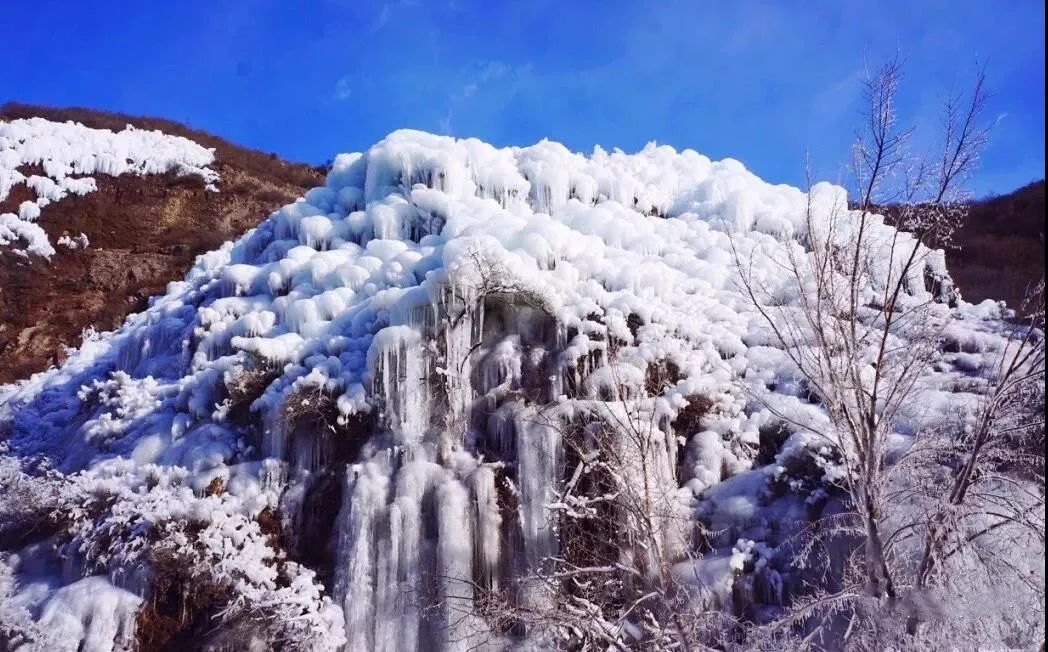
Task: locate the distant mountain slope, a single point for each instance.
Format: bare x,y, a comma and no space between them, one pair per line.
1001,247
143,232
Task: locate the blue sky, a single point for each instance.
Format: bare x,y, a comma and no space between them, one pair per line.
760,82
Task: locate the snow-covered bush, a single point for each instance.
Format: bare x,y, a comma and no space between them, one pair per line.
217,561
17,626
28,502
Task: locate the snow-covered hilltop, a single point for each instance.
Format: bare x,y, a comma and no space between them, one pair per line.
67,154
353,426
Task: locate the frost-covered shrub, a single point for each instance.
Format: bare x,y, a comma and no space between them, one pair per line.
203,559
17,627
32,506
246,382
117,400
312,405
209,563
771,438
230,571
690,418
660,375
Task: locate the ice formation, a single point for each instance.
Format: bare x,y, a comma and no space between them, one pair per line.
392,363
67,154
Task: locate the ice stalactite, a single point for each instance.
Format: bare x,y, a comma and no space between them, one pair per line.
500,431
359,547
401,382
440,532
487,528
461,626
502,365
412,536
539,473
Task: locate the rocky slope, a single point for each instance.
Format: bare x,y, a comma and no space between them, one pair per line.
143,231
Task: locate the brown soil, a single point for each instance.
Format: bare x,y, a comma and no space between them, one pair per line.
144,232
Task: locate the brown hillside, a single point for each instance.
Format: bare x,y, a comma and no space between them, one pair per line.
144,232
1001,246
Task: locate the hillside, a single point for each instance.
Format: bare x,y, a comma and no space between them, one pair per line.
143,231
1000,249
460,397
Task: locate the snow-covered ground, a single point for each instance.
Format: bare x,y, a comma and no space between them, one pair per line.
414,299
69,154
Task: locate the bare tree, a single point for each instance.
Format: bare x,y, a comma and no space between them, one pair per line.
622,528
991,502
872,307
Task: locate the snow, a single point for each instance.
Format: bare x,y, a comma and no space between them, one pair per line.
91,615
69,153
467,304
78,242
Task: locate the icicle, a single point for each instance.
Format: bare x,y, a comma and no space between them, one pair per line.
399,369
406,522
538,475
487,523
501,365
367,486
454,567
501,429
387,591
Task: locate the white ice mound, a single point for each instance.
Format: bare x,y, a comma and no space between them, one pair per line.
69,154
386,360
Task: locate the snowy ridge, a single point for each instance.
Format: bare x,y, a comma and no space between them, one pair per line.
414,318
69,152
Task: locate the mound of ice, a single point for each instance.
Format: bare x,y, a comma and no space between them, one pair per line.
424,328
68,154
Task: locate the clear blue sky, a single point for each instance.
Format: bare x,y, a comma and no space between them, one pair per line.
760,82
